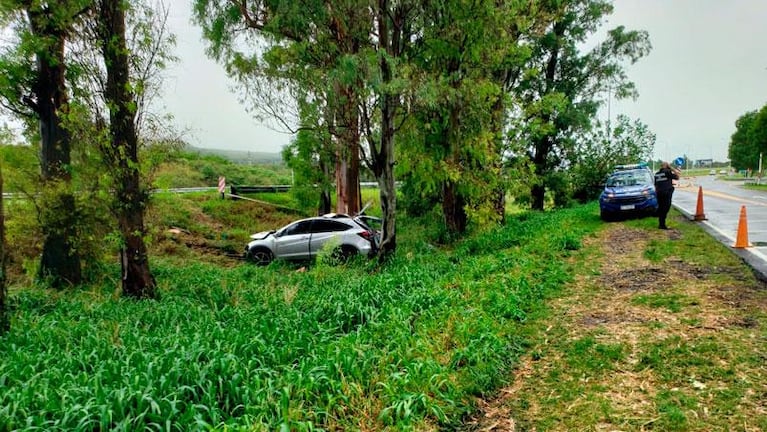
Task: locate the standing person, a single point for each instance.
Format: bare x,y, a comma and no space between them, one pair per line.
664,187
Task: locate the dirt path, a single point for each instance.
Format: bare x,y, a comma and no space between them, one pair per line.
648,337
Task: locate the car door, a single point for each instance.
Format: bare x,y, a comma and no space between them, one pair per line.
293,241
325,231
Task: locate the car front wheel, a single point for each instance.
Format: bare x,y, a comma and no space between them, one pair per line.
261,256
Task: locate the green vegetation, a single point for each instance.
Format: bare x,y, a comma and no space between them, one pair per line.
191,169
651,335
408,346
749,141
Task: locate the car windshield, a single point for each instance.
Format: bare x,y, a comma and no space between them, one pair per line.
628,178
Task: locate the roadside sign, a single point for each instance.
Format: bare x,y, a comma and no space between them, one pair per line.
221,185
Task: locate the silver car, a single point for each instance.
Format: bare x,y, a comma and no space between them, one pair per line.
303,239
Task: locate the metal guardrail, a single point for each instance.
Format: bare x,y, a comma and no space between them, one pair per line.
233,188
236,190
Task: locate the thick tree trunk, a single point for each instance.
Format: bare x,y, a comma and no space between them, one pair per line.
348,178
122,155
383,157
453,204
60,262
5,319
384,172
341,177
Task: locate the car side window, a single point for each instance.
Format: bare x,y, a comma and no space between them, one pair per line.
298,228
328,226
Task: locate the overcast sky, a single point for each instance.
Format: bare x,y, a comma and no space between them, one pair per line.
707,67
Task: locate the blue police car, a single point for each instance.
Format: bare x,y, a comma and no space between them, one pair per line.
629,190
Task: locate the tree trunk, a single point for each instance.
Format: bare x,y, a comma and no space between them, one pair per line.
453,204
341,168
544,145
384,172
60,262
499,193
325,200
383,157
537,195
348,179
5,319
122,154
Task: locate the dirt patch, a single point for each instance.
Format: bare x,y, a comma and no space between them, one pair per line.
640,279
622,240
606,318
178,242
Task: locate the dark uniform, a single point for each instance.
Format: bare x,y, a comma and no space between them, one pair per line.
664,187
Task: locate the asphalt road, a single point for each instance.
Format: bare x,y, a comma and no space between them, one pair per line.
722,201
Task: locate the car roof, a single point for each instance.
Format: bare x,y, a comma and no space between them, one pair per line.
631,171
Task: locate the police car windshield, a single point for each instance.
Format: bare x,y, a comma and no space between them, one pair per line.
627,178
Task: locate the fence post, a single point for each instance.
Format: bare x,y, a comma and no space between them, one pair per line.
222,186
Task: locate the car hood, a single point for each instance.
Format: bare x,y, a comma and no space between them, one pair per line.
262,235
626,190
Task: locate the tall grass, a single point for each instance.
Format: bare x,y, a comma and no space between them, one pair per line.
407,346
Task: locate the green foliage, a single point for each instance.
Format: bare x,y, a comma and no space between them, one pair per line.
749,140
268,348
559,92
597,153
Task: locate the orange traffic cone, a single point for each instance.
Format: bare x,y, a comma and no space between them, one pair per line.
699,215
741,240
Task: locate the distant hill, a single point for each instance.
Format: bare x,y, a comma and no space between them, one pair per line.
239,156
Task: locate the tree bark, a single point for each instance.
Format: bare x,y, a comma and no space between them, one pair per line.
122,154
5,319
60,262
453,204
390,42
348,155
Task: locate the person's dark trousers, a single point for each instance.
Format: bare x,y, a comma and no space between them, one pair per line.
664,205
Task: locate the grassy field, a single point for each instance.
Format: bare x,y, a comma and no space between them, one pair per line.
555,321
409,346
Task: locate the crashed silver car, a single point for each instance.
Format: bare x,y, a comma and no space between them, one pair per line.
303,239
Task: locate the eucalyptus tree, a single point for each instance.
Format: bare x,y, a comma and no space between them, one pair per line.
465,54
33,87
308,50
559,93
341,57
132,45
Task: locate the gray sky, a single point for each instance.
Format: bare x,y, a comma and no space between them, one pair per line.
707,67
199,95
